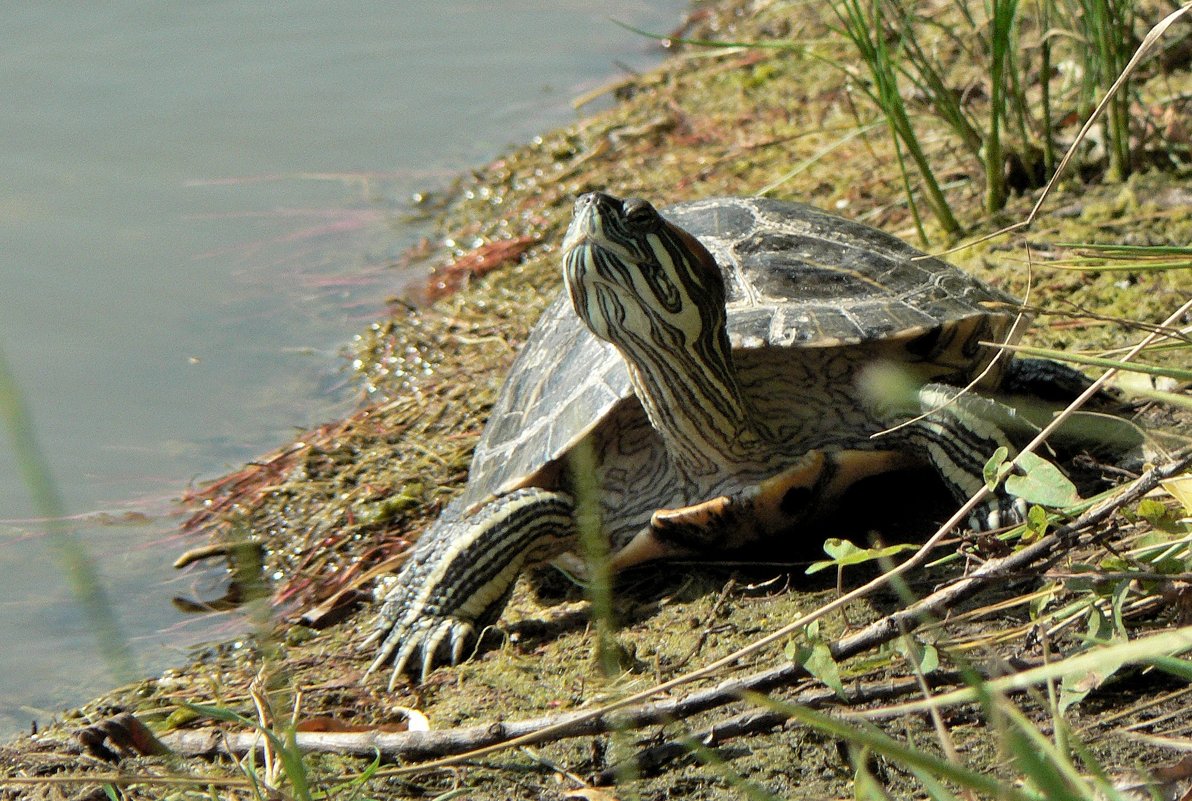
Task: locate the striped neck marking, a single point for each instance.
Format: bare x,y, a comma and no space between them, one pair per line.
655,293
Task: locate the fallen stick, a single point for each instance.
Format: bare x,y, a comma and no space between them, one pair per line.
758,720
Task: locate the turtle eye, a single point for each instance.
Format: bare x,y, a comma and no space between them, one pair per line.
639,213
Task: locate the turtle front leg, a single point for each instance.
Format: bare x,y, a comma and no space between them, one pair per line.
461,574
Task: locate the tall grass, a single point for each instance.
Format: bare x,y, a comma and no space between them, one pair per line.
1106,29
1002,15
1005,116
863,24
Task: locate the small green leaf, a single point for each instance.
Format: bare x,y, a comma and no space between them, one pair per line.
1169,565
924,655
931,659
1075,686
1152,511
1036,522
1041,483
817,660
840,550
845,553
814,655
1098,629
1161,517
794,649
995,468
1044,597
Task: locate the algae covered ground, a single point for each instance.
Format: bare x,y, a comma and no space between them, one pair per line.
322,518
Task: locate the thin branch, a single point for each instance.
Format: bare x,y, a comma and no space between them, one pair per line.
760,720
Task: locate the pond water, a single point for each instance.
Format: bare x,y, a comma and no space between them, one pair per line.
198,206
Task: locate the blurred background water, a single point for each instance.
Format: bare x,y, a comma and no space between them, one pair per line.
197,206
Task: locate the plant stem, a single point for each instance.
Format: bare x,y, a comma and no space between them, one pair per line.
76,564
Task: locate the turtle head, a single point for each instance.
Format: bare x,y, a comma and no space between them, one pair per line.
652,290
640,281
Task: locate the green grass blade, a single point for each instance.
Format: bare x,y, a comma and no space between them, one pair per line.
73,558
1177,373
1133,258
865,29
1037,758
1001,24
1114,249
1097,265
1099,659
1170,398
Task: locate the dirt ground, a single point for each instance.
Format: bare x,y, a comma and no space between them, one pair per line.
321,519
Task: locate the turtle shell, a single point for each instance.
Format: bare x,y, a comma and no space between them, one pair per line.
797,278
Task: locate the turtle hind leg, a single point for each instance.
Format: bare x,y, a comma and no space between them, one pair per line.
954,432
958,435
774,505
461,574
1041,386
962,430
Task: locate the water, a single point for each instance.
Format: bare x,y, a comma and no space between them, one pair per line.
195,215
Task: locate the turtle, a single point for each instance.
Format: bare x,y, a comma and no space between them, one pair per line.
723,366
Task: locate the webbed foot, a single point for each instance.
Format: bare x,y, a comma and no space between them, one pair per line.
998,511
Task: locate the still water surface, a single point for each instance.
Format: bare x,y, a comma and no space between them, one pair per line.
197,205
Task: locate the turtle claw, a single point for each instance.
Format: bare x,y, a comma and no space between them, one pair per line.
460,575
419,645
413,635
